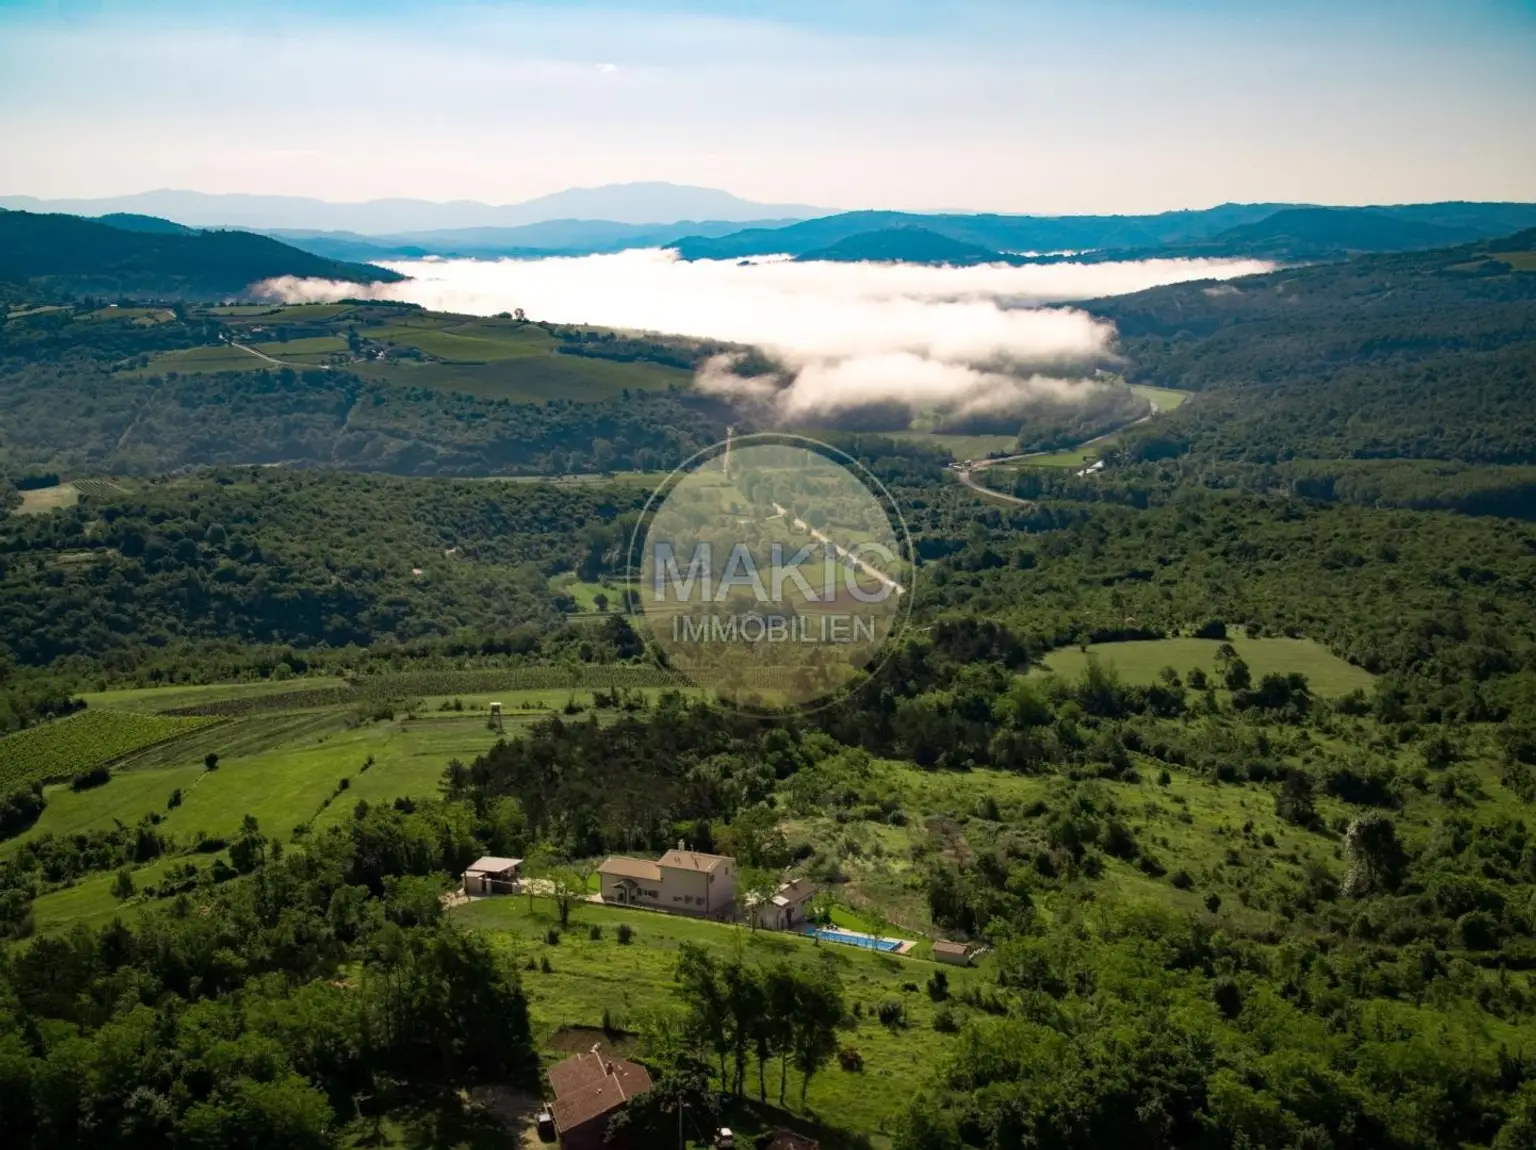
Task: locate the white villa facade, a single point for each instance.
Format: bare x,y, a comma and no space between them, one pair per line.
680,882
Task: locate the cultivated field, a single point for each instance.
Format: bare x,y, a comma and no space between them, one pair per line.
68,746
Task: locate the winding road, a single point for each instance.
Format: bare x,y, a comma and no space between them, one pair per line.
967,474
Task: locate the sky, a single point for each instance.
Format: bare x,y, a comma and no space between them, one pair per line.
1089,106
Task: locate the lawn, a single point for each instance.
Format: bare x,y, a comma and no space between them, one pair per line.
590,977
1140,661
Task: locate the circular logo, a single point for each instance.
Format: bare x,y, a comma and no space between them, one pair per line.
773,570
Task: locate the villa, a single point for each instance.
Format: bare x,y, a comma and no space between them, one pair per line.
680,882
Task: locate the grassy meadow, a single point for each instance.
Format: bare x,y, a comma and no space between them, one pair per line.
1141,661
593,979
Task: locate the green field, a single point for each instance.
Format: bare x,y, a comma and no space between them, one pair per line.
530,378
1162,398
1140,661
43,499
590,977
65,747
963,446
585,594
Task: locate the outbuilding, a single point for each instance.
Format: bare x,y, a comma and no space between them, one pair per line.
492,875
954,953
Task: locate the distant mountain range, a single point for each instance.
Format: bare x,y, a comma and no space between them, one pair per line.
135,255
1269,230
638,203
550,238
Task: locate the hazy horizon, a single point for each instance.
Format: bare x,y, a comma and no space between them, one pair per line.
1095,108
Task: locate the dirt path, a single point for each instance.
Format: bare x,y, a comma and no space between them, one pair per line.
278,362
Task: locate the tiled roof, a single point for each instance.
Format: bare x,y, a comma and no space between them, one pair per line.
630,868
589,1085
693,860
943,947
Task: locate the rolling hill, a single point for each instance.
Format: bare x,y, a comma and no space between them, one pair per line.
91,256
910,245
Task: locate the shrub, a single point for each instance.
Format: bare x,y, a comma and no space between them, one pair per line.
544,965
94,777
625,933
944,1020
850,1059
1213,902
891,1013
594,932
938,986
211,761
552,936
1181,880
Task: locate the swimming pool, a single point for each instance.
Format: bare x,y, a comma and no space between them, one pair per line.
852,938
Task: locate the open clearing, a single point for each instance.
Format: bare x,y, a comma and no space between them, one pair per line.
1162,398
1140,661
963,446
590,977
492,358
44,499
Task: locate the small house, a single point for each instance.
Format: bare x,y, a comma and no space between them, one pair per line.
954,953
786,908
491,875
589,1089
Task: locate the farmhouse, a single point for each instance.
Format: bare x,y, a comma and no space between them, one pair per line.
681,882
786,908
491,875
588,1090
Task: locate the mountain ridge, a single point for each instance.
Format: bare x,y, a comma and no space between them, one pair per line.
652,202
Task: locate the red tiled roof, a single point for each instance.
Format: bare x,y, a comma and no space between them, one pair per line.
587,1086
693,860
630,868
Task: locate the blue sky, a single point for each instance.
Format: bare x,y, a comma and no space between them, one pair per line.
1093,106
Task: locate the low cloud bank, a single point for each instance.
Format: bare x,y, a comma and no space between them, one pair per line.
959,341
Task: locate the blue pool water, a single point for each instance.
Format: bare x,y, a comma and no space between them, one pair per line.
867,941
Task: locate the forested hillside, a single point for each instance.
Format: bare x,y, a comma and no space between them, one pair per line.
70,253
1421,356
